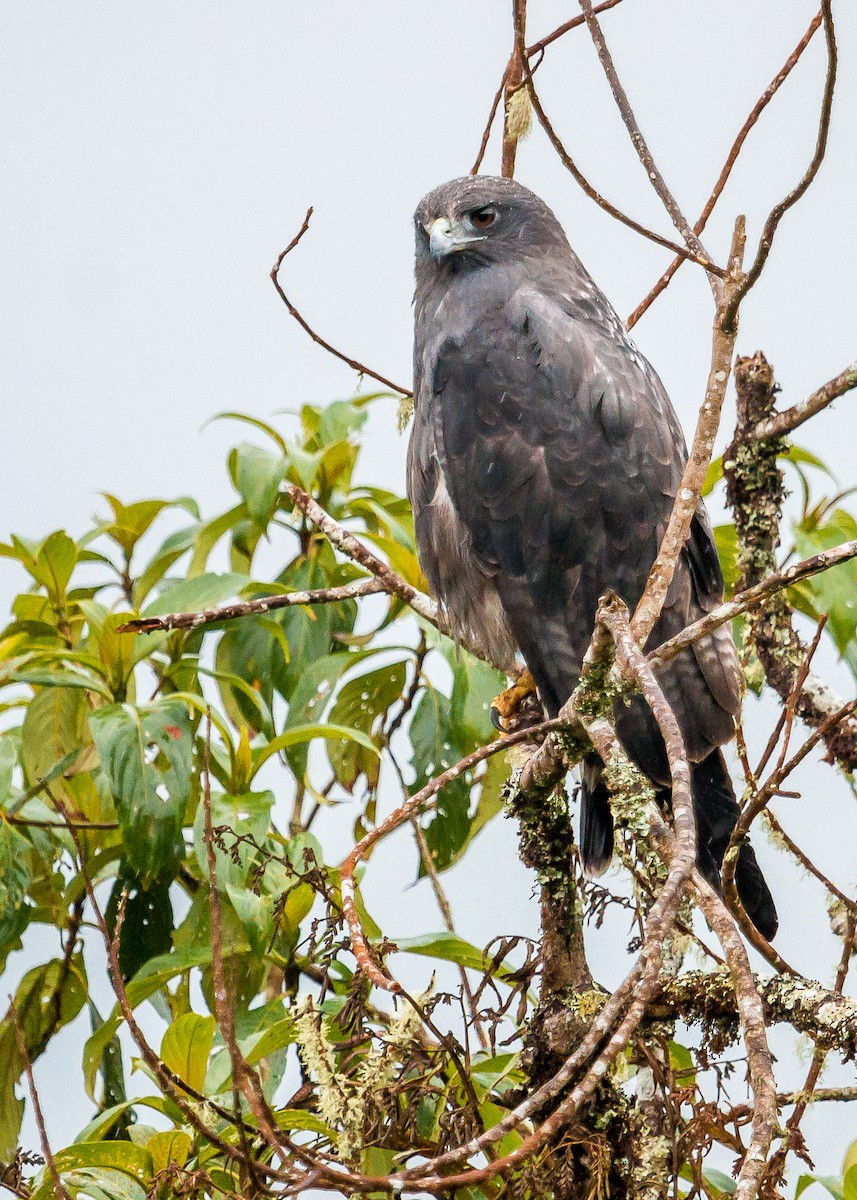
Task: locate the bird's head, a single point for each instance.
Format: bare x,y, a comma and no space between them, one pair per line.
480,220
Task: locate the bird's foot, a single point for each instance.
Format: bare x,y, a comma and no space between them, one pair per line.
517,707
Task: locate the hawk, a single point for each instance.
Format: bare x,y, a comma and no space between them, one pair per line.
542,468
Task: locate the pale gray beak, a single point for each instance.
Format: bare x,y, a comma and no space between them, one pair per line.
445,238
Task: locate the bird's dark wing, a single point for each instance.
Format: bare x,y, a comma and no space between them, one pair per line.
561,455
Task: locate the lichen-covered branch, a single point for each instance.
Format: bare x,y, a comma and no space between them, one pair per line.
708,996
754,490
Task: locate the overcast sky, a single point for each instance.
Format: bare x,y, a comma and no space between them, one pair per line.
154,159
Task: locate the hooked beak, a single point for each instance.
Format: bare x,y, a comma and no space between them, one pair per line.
445,238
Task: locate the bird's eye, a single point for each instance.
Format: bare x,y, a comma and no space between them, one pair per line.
481,218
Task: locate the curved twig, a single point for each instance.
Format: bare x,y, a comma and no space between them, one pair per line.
779,210
360,367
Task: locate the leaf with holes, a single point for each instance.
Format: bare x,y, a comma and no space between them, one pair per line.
147,754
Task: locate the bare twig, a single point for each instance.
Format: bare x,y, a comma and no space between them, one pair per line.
782,423
779,210
53,1170
486,133
640,145
759,1064
570,165
751,598
512,82
230,612
757,110
819,1057
345,541
361,368
575,23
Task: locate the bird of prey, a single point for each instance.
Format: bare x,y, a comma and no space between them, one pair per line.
542,468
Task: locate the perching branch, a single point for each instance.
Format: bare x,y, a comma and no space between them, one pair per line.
751,598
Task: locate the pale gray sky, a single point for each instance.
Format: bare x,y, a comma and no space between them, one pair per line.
155,157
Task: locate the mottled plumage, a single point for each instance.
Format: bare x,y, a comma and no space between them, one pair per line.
543,463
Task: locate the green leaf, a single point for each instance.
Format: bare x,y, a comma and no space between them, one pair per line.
186,1046
48,997
121,1168
170,1146
255,422
14,880
192,595
340,418
54,564
681,1061
257,475
724,1183
450,948
146,753
131,521
305,733
830,1183
435,747
362,705
150,979
53,727
312,694
833,592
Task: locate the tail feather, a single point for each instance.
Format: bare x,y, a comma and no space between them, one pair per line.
596,819
716,814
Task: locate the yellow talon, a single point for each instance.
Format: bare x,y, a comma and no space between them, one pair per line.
518,705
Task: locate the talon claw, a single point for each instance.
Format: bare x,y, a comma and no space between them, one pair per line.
510,706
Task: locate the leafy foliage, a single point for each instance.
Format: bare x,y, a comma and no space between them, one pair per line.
112,731
122,736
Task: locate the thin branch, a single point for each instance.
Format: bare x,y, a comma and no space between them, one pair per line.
731,158
359,942
751,598
806,862
575,23
779,210
340,537
784,422
687,498
53,1170
570,165
230,612
511,84
244,1077
751,1012
486,133
361,368
645,155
